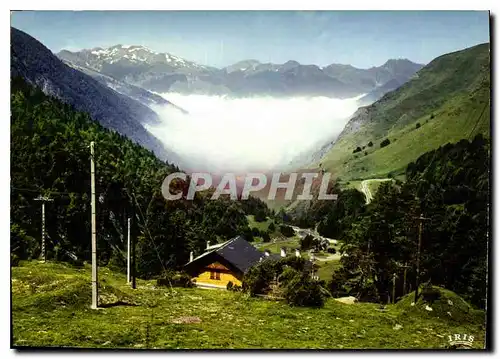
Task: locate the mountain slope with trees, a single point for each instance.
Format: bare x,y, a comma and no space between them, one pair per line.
50,156
38,66
445,101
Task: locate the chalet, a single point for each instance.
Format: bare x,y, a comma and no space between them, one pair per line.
223,263
228,262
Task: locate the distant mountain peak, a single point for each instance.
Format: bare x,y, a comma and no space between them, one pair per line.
128,55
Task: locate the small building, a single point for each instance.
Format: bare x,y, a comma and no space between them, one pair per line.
223,263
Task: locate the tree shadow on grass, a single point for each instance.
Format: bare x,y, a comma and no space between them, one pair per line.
118,303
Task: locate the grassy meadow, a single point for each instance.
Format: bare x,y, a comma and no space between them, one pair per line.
51,308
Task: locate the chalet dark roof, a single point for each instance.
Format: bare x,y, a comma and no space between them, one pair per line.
237,251
240,253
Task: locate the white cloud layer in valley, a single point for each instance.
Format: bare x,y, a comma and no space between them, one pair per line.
223,134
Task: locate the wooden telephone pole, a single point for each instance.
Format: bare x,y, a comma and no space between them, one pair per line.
95,302
43,253
421,220
128,251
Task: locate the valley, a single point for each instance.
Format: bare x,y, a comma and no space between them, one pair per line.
406,147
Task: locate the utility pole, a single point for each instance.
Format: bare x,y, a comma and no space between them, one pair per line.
94,237
421,220
128,251
43,253
133,270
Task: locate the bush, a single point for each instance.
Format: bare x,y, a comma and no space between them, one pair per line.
297,263
258,278
385,142
370,144
331,250
14,260
265,237
287,231
233,287
432,116
247,234
260,216
21,244
358,149
417,125
300,290
272,227
430,294
174,279
337,285
366,153
307,242
255,232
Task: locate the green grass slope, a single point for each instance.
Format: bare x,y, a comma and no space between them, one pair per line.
51,307
449,99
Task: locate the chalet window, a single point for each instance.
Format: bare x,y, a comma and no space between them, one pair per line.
215,275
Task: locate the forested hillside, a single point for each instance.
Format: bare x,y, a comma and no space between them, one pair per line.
50,156
450,188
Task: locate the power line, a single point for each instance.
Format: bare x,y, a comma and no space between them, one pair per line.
149,233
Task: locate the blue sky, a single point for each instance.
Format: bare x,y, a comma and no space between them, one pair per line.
220,38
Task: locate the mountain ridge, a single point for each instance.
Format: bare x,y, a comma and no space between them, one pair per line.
164,72
34,62
443,102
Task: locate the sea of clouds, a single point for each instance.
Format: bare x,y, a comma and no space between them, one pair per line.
223,134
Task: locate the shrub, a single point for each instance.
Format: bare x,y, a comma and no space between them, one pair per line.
366,153
174,279
247,234
337,285
272,227
370,144
233,287
417,125
432,116
14,260
260,216
287,231
307,242
430,294
358,149
258,278
23,245
287,275
385,142
265,237
297,263
331,250
255,232
300,290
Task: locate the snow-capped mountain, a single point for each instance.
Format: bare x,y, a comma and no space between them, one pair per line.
32,61
164,72
138,65
99,58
